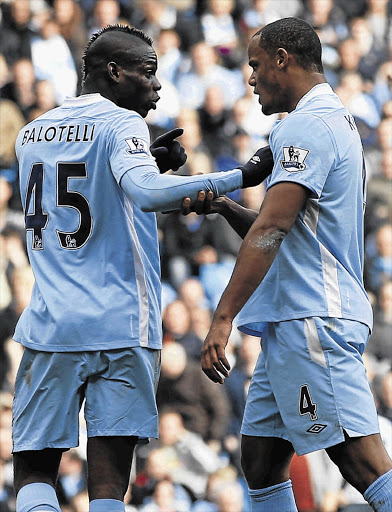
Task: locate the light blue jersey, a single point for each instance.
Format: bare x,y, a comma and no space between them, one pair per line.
94,252
318,269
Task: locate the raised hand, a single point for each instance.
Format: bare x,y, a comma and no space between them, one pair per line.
168,152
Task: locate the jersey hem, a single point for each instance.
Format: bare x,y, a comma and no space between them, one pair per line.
246,325
87,348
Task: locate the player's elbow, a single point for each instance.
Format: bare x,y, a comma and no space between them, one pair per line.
268,240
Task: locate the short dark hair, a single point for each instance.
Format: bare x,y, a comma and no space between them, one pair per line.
109,47
297,37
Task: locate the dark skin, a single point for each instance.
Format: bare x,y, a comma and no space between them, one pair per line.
134,86
280,82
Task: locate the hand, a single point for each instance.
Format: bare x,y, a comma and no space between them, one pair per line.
168,152
213,359
204,204
257,168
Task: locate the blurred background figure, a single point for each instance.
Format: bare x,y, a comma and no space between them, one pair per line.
380,343
53,61
184,388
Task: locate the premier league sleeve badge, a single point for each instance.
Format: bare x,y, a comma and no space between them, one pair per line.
294,159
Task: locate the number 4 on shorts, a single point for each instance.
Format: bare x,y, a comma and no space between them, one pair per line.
306,405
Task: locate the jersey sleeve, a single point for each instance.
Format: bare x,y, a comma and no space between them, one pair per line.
304,152
128,145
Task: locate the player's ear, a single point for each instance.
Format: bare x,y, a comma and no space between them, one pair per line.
113,71
282,58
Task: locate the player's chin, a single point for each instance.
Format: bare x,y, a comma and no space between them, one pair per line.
143,111
267,109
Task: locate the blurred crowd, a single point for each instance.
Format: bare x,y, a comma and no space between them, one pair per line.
201,47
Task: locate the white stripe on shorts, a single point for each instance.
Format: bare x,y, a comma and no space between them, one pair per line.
314,346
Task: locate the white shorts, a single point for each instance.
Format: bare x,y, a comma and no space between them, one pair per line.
310,386
118,387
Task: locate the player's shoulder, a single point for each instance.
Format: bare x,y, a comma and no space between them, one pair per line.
304,124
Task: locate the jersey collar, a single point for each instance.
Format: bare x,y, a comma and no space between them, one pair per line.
317,90
83,100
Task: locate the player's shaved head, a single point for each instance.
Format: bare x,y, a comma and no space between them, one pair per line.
113,43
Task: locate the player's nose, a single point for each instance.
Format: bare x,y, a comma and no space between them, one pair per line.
157,84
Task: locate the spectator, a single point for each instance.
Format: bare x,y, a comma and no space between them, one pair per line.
6,458
195,245
262,12
177,327
69,18
380,343
163,499
157,468
105,12
194,146
382,90
237,389
231,498
371,56
383,141
72,474
382,385
157,16
11,121
205,72
194,459
218,482
214,118
377,18
360,104
379,264
185,389
220,32
45,99
52,60
379,194
192,294
22,90
16,31
169,54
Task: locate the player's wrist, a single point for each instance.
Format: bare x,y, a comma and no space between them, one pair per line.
257,168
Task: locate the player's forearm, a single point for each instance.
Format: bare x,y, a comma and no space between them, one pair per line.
159,192
239,218
256,256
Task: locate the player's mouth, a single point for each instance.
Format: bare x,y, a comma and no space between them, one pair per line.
154,102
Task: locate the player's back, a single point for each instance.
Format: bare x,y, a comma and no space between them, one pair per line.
87,242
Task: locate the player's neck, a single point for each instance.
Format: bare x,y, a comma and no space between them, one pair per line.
93,88
303,87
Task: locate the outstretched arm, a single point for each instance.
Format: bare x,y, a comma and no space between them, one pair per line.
152,191
278,213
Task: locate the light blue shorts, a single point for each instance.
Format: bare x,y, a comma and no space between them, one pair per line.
310,386
118,387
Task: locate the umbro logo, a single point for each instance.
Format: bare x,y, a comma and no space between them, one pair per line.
316,428
255,159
